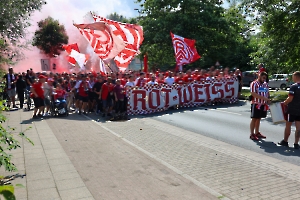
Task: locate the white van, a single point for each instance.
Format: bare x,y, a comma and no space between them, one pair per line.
282,81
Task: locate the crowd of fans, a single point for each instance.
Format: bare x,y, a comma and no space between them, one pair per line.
101,93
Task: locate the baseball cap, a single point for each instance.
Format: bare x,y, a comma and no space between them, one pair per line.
42,76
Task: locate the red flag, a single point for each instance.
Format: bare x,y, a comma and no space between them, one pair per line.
69,48
185,50
146,63
75,55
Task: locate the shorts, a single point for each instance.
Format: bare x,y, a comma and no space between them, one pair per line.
76,96
47,102
38,102
92,96
83,98
258,113
293,118
107,103
11,92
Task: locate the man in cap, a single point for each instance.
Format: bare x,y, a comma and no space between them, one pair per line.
38,96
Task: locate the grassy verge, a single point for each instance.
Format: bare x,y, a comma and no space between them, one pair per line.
276,96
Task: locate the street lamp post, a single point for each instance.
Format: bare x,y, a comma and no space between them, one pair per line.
139,11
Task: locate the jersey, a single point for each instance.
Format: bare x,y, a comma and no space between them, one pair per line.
261,89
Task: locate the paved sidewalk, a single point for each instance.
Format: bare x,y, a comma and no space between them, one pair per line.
74,158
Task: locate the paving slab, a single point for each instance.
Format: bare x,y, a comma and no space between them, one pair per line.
42,163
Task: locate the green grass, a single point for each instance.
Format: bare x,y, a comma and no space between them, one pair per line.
276,96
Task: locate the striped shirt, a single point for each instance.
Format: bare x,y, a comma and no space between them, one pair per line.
261,89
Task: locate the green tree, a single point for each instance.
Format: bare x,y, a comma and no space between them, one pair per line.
203,21
116,17
120,18
14,17
50,37
240,35
279,40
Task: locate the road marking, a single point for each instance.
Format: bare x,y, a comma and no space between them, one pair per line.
199,184
226,112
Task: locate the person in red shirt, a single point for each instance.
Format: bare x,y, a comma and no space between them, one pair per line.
119,94
188,77
141,81
124,79
201,77
195,74
106,94
179,79
160,79
60,92
38,96
83,94
226,73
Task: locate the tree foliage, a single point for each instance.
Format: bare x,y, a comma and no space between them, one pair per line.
14,17
120,18
279,39
50,37
205,21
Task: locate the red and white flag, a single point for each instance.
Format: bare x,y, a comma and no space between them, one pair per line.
185,50
102,67
74,55
112,39
105,44
132,35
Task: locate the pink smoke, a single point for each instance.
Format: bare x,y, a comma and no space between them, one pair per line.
33,55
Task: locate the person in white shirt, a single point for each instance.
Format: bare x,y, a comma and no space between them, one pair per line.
170,79
48,92
153,81
131,82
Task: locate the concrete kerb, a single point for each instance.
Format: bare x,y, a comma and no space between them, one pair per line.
199,184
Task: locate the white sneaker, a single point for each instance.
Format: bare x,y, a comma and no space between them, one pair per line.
45,114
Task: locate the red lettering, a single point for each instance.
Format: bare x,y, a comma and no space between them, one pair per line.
179,94
215,91
198,92
229,89
187,91
207,91
136,99
150,99
167,96
182,92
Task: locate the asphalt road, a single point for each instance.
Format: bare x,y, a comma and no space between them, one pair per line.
230,124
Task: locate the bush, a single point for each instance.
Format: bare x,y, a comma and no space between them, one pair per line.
276,96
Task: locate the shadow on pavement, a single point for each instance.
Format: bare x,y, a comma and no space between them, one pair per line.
203,107
271,147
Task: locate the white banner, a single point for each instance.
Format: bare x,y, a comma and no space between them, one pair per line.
155,98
